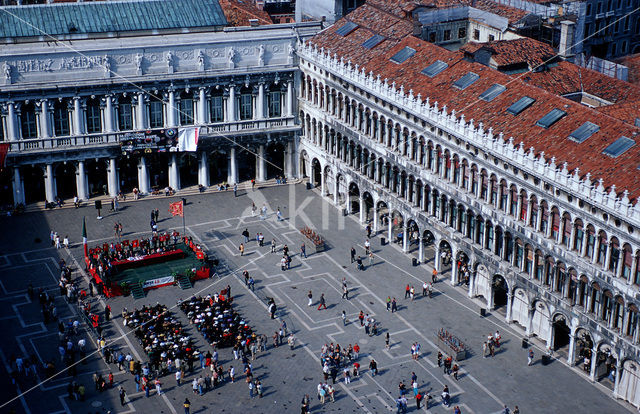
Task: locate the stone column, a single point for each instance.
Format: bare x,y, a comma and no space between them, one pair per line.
232,175
49,184
405,236
231,104
572,349
78,127
143,176
375,218
289,108
171,109
203,170
262,164
509,303
438,264
112,178
141,107
454,267
108,113
420,250
81,181
18,187
174,173
323,184
390,230
594,358
616,385
260,102
12,130
472,283
44,119
288,165
202,109
361,201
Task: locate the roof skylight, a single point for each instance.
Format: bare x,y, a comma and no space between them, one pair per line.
493,92
435,68
619,147
373,41
347,28
403,55
466,81
520,105
585,131
551,118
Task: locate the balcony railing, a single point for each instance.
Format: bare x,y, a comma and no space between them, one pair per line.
113,138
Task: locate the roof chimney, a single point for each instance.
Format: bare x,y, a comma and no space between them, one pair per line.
566,39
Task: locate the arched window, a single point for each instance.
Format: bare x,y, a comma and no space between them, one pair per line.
607,306
471,226
591,241
618,312
504,196
484,185
533,218
519,254
447,163
524,204
513,207
478,236
488,243
28,124
544,217
528,259
456,169
614,258
578,241
632,321
493,184
566,229
555,223
508,240
474,179
538,264
602,250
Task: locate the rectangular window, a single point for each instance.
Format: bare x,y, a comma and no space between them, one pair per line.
216,110
462,33
447,35
373,41
492,38
435,68
28,124
125,118
346,29
156,115
61,120
274,104
94,124
246,111
476,34
186,112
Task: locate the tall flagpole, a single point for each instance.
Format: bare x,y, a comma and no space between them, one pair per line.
184,227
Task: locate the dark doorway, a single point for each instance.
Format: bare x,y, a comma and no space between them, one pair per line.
561,333
499,292
66,180
188,170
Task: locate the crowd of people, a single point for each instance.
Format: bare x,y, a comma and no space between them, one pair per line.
215,318
161,335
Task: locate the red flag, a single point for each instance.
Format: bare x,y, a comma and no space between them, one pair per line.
4,149
176,209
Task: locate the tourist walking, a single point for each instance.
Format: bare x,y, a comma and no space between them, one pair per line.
241,249
323,303
310,296
530,358
344,318
353,254
187,405
303,251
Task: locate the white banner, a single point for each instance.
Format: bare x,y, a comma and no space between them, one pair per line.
188,139
157,282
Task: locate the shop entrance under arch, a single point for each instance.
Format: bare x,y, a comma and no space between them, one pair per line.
500,291
561,333
188,166
66,180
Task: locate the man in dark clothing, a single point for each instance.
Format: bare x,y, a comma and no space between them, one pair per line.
353,254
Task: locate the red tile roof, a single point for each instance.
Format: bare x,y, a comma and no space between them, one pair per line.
633,63
567,77
239,12
621,171
510,52
401,8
